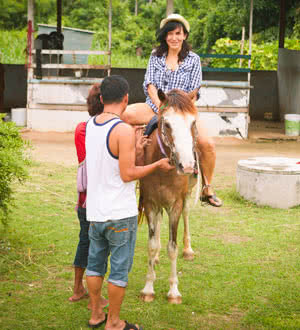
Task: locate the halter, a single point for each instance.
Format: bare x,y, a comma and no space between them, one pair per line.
164,138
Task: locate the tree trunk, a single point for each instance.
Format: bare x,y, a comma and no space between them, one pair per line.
170,7
136,8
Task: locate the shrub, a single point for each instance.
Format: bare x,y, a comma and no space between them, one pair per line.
264,55
13,164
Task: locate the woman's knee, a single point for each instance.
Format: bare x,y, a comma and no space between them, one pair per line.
207,145
128,116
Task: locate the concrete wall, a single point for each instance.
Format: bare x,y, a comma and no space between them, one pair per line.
263,97
288,81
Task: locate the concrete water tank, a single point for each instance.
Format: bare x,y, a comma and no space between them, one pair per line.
270,181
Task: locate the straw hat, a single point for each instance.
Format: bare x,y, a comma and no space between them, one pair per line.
175,17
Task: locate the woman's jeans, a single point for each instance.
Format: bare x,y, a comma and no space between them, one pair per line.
81,257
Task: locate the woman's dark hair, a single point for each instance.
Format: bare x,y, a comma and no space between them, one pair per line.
162,49
95,107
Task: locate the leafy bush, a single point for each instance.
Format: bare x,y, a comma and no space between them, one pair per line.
13,46
13,164
264,55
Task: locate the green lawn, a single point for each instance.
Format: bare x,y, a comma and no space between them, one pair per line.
245,275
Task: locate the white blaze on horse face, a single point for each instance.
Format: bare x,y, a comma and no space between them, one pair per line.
182,138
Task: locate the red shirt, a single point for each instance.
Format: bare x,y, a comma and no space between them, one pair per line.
80,149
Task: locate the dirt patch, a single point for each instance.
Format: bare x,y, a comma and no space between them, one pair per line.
265,139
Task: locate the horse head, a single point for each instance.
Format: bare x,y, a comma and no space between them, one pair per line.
177,128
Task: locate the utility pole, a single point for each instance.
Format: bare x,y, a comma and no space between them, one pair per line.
282,23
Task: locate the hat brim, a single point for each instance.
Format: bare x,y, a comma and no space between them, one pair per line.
178,18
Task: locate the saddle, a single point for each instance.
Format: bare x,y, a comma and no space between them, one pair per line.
151,126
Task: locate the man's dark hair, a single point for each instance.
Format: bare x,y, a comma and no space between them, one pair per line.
113,89
162,49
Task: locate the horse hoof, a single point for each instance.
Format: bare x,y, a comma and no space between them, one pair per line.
175,300
188,256
147,297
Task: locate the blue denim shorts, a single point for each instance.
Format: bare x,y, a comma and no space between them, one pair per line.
114,238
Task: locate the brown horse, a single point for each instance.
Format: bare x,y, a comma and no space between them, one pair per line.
174,138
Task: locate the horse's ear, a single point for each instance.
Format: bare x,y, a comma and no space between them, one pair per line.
161,95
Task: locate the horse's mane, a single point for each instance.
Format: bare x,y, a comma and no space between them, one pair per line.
179,101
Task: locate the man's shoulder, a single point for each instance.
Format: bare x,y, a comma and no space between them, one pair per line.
123,128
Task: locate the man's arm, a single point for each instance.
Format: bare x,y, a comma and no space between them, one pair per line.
126,152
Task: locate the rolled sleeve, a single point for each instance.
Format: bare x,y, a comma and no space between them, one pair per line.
196,75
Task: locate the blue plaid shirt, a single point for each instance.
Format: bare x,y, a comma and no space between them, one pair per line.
187,77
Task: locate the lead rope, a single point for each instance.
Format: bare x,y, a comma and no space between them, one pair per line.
198,180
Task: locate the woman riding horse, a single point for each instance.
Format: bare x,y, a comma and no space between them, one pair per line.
173,65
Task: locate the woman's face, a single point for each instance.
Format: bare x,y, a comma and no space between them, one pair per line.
174,39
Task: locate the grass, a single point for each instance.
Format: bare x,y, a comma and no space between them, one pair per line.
245,274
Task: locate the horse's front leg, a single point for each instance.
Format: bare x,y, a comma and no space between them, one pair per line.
174,296
154,219
188,253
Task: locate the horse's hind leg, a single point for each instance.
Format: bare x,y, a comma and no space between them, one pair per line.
188,253
174,296
154,219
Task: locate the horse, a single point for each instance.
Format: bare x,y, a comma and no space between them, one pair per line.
175,138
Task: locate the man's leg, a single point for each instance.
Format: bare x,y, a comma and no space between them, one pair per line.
122,238
115,296
95,286
208,162
137,114
96,269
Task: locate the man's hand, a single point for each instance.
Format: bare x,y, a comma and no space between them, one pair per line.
164,165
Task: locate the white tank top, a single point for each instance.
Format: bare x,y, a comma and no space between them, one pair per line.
108,196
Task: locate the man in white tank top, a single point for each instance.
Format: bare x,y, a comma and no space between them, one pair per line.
111,201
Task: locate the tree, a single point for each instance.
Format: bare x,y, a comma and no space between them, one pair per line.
170,7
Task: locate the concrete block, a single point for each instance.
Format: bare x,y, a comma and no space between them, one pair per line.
270,181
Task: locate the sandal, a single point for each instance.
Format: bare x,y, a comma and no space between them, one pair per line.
129,326
212,200
97,325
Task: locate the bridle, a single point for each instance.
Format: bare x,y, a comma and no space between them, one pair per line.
173,158
164,138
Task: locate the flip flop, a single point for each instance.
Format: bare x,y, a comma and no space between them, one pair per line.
98,325
84,296
129,326
212,200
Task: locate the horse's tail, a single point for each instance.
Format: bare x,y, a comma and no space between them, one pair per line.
141,209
